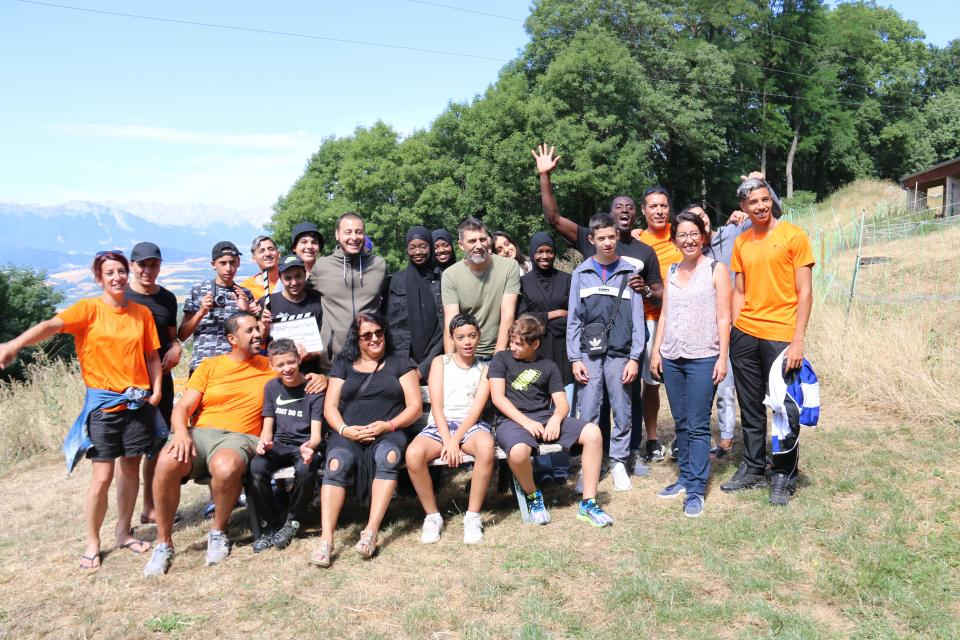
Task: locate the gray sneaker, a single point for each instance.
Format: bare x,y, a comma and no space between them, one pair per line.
218,547
159,560
637,467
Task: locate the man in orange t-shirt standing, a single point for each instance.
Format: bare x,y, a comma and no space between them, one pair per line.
226,392
656,211
772,299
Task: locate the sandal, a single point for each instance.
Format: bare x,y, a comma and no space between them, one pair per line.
367,544
129,545
321,555
92,562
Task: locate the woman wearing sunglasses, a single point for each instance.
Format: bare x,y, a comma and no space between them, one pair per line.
117,343
373,395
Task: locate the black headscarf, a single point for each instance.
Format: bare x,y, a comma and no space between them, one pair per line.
443,234
421,307
544,276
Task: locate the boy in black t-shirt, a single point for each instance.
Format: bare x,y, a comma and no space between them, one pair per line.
290,436
523,387
295,302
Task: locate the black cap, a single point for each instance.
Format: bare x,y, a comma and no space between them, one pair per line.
302,228
145,251
290,262
224,248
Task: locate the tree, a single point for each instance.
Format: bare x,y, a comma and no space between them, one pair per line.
28,299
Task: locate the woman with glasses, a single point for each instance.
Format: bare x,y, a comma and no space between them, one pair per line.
373,394
413,305
117,343
690,353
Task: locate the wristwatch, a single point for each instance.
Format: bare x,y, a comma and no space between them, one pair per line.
648,292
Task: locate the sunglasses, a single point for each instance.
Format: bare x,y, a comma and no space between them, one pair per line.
100,254
368,336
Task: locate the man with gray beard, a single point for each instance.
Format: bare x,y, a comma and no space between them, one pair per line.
484,285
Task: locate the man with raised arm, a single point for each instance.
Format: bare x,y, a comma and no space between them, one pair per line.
483,285
646,280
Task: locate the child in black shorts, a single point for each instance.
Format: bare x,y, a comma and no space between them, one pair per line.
290,437
527,390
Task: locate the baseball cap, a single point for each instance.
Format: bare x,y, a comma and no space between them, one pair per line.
145,251
290,262
302,228
224,248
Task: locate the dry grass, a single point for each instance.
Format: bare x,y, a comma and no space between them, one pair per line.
844,206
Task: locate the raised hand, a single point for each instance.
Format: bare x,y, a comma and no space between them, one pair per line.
546,159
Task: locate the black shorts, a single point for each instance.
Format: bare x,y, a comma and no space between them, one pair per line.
121,433
166,398
510,434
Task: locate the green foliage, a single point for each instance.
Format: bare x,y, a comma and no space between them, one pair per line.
27,299
688,94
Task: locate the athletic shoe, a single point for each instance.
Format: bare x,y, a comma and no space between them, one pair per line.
719,453
264,542
693,505
208,510
591,513
672,491
621,481
780,490
743,479
674,454
472,529
159,560
655,451
538,511
218,547
639,469
286,534
432,526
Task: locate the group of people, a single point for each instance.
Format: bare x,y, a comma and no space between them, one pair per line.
512,352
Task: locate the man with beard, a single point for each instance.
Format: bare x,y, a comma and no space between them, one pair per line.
483,285
646,281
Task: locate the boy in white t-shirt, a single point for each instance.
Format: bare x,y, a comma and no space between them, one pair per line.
458,393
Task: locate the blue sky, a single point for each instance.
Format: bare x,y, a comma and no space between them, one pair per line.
104,107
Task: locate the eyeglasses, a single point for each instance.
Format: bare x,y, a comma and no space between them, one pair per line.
368,336
693,235
100,254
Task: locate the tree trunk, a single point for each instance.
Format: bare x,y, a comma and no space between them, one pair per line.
763,140
790,155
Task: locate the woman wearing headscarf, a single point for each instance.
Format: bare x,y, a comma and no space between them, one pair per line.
544,294
413,308
444,254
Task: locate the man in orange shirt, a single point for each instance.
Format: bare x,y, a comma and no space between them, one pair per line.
227,393
656,211
772,298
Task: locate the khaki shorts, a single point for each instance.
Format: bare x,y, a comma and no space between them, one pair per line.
208,441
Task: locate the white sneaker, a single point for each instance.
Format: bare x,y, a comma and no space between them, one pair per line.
472,529
579,487
432,526
159,560
218,547
621,479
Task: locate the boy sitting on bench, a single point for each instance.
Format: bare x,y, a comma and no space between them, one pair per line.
528,392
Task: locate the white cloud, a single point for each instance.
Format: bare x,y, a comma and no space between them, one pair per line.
292,140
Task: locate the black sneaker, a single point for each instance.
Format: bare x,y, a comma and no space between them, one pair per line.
780,490
742,479
674,453
655,451
286,534
264,542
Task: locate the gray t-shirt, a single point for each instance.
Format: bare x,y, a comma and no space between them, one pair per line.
481,295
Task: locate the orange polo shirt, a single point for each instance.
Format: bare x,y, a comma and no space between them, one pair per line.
232,393
769,268
667,254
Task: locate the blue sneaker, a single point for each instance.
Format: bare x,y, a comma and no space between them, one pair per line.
672,491
693,505
538,512
591,513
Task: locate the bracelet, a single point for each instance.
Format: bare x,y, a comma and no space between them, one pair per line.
393,427
342,428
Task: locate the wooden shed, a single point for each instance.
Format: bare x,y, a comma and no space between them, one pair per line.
937,187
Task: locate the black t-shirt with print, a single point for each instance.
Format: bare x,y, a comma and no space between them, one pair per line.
529,384
163,306
283,310
632,249
382,398
292,409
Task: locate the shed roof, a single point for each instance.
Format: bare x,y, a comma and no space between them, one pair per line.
935,172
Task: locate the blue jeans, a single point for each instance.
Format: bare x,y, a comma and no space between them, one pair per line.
690,392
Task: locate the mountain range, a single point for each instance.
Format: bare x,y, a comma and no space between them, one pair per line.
62,239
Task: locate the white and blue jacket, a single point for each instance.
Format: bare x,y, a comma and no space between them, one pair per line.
591,300
799,394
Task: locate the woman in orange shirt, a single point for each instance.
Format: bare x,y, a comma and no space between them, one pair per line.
117,347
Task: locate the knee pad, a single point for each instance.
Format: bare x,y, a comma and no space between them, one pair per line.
385,469
339,466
